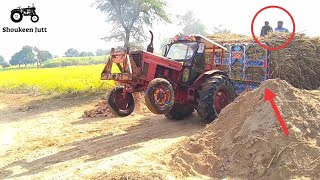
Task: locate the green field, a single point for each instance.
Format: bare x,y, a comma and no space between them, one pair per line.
74,61
64,80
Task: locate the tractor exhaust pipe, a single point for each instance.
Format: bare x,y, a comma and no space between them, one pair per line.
150,46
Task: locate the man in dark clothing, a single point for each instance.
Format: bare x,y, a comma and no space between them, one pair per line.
265,29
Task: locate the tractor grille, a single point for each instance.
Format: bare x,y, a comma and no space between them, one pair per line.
137,58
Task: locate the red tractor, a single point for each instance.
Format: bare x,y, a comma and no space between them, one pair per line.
175,84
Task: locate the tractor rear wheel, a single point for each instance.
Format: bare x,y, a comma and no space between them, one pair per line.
179,112
16,16
215,94
159,96
120,105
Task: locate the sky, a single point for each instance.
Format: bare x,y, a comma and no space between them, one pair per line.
76,24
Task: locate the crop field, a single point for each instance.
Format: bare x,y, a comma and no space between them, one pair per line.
74,61
72,79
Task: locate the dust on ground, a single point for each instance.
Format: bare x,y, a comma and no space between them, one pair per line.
47,137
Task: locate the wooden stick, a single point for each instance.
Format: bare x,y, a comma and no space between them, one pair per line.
272,158
314,161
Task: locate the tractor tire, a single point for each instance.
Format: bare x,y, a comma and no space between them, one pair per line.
159,96
215,94
35,18
179,112
118,105
16,16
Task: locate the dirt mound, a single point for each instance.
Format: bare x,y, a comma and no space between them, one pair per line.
246,141
298,63
102,110
127,174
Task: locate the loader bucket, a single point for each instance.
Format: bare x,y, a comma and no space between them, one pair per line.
118,67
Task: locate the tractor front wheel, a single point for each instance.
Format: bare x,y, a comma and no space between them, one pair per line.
179,112
119,104
159,96
215,94
35,18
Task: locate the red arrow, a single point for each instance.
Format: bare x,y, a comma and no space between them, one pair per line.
269,96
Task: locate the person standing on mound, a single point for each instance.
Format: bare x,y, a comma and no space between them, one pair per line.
265,29
280,27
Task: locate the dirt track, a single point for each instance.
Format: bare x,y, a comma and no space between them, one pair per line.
46,136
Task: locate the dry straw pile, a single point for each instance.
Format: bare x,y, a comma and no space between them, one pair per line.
298,63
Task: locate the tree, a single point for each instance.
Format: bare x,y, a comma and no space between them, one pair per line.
90,53
85,54
191,24
101,52
130,17
44,56
71,53
3,63
37,50
24,56
16,59
27,55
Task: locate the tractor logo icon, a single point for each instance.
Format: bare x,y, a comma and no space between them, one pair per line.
18,13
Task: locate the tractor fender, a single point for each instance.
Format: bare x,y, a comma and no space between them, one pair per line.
204,76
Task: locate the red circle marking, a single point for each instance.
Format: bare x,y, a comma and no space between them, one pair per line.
283,45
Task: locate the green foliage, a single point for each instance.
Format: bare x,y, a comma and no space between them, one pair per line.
3,63
27,55
15,59
24,56
101,52
44,56
71,53
191,24
75,61
84,54
80,79
1,60
129,18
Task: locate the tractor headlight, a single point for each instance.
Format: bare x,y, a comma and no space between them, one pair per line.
185,75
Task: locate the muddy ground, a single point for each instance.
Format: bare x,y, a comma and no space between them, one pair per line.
47,137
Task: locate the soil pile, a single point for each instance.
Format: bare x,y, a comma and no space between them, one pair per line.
102,109
298,63
246,141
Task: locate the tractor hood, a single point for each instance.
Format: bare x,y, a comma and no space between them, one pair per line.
125,67
162,61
